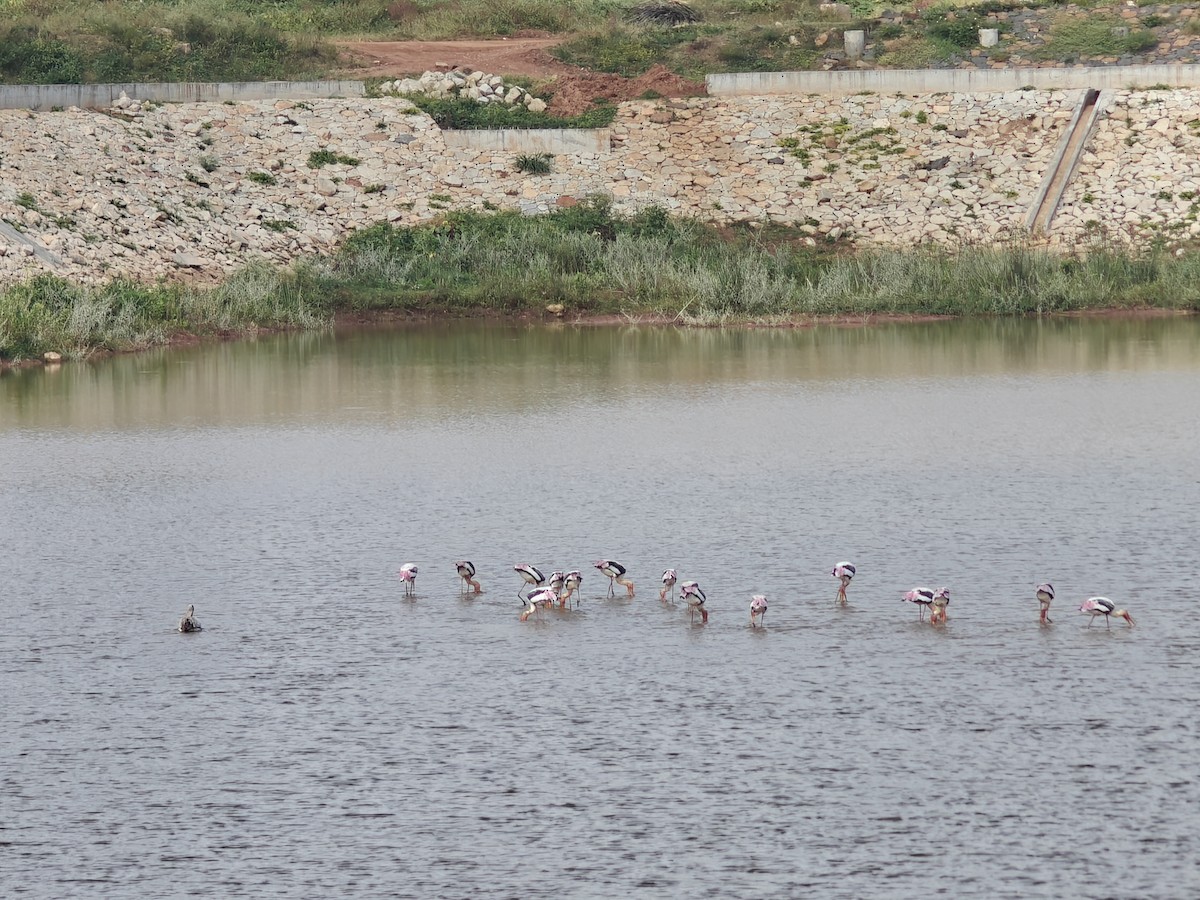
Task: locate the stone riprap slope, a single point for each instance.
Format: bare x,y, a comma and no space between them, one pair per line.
458,84
196,190
1139,177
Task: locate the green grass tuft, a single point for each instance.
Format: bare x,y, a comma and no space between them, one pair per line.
320,158
535,164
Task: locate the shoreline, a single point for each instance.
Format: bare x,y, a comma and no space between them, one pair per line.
384,320
587,266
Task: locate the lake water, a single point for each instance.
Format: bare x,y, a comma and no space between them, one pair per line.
324,737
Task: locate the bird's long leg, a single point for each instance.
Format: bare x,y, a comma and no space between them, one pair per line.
612,591
1106,623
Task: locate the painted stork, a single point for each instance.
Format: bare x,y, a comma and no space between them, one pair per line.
615,572
189,622
466,571
571,582
537,600
1102,606
758,608
1045,593
921,596
530,575
844,571
669,577
408,574
694,597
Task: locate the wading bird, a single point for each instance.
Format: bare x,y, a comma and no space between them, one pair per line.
556,582
614,571
189,622
466,571
571,582
529,574
758,607
845,571
941,599
694,597
537,601
408,574
668,584
1045,593
921,596
1102,606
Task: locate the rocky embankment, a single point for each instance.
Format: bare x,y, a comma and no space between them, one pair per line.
460,85
196,190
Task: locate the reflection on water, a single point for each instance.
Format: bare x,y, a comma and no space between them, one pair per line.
428,369
323,736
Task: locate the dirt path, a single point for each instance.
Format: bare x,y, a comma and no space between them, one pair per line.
504,56
574,89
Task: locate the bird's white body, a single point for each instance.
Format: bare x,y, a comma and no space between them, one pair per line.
466,571
1045,593
408,574
189,623
1102,606
843,571
758,609
529,575
694,597
669,577
571,582
616,574
538,600
922,596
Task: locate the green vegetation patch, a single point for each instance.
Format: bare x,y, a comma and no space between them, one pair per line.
535,164
592,260
692,50
1072,37
154,42
319,158
863,147
468,114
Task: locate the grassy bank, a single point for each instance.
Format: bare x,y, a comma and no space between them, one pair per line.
592,262
47,41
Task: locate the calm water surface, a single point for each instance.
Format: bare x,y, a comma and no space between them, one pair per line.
323,736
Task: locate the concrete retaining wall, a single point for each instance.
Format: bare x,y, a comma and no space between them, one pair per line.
100,96
541,140
935,81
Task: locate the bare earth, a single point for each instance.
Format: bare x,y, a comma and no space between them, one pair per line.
503,56
573,89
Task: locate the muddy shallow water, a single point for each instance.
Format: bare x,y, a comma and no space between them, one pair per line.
324,736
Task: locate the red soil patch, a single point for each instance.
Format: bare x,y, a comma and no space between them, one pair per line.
574,90
572,94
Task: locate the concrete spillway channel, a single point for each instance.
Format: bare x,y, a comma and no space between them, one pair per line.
15,238
1092,105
